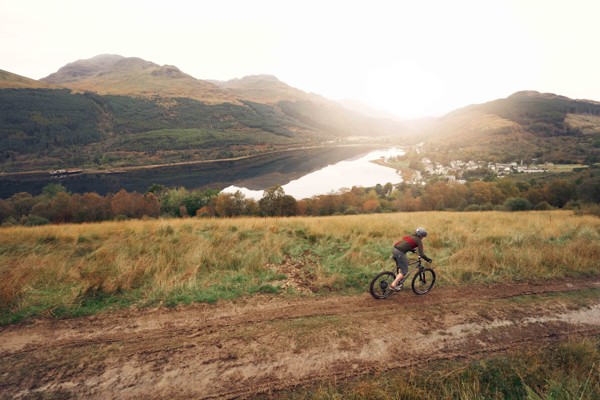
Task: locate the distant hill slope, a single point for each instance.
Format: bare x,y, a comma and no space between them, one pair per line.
312,109
266,89
8,80
525,125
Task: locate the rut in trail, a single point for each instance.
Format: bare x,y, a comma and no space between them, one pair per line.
262,344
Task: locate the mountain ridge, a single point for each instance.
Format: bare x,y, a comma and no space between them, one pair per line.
111,111
133,76
171,103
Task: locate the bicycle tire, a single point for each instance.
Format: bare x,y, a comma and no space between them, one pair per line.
423,281
380,285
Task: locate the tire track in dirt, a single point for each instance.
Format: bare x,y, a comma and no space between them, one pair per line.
263,344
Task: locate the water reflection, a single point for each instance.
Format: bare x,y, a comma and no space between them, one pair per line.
256,173
357,171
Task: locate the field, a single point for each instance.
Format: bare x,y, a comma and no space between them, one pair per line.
279,308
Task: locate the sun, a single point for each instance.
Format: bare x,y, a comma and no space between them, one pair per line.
406,89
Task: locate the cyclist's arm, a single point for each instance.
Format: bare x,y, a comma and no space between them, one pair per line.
422,252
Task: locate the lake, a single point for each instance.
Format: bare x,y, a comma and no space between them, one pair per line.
302,173
356,171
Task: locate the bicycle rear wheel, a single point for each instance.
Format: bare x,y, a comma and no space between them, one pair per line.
380,285
423,281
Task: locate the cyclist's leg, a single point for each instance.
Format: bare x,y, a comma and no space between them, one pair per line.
402,263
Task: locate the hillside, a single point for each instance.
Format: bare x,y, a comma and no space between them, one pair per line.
114,111
266,89
8,80
523,126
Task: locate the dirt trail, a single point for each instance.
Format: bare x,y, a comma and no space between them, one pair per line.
264,344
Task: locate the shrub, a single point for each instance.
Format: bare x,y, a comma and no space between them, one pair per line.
517,204
543,206
35,220
589,209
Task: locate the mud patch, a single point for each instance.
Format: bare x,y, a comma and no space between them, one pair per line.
263,344
300,275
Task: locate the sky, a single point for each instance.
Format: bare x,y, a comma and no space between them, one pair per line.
408,58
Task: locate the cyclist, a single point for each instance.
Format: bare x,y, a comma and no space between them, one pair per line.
408,243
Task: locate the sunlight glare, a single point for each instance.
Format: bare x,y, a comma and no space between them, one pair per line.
406,89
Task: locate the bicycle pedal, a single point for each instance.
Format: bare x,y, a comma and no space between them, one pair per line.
397,288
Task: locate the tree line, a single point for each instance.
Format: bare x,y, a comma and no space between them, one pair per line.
56,205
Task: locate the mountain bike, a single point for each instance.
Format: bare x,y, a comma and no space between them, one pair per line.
422,282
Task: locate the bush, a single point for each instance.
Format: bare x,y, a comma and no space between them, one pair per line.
589,209
543,206
36,220
517,204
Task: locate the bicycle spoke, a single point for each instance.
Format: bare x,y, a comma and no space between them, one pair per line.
423,281
380,285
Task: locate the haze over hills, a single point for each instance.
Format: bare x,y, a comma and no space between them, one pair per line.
110,110
266,89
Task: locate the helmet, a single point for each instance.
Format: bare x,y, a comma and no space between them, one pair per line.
420,232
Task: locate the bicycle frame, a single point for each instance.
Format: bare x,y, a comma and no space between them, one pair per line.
412,267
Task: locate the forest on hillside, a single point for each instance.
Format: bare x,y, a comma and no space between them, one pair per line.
57,128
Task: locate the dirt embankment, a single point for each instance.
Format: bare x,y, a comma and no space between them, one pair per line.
263,344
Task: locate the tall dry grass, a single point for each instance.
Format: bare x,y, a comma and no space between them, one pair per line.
71,269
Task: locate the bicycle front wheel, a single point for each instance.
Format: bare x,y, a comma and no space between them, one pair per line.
423,281
380,285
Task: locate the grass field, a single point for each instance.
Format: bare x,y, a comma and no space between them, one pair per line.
71,270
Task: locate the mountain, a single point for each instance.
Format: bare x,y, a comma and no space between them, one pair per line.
114,74
111,111
525,125
266,89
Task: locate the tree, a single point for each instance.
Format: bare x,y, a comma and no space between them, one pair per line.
22,203
90,207
270,204
228,205
288,206
480,192
151,205
6,210
589,190
508,188
559,192
52,189
121,204
371,205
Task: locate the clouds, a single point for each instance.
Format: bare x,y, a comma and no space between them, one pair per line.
412,58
